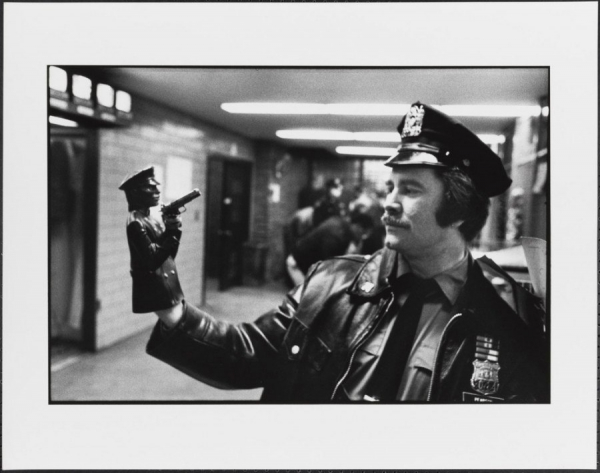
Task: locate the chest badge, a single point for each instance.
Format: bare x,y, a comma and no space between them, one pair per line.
485,379
414,121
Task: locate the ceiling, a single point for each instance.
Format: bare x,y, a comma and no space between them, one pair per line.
200,92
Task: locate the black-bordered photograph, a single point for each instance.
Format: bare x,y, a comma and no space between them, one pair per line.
298,235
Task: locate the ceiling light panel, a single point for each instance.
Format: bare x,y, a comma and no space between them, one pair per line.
490,110
377,109
370,136
365,150
302,134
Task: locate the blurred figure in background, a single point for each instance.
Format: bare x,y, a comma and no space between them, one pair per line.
514,221
298,226
336,236
312,192
367,202
329,205
311,216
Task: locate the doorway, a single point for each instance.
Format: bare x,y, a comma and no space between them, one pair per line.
227,219
72,185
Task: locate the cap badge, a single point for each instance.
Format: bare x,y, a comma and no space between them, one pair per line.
413,122
485,373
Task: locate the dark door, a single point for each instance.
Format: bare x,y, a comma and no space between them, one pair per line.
72,185
228,219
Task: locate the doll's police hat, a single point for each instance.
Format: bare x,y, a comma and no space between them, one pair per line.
142,176
432,138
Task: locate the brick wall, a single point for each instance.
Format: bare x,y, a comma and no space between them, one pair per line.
276,166
156,134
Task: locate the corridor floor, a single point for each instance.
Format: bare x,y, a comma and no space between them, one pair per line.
125,372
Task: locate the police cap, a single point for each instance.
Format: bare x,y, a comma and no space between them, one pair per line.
432,138
142,176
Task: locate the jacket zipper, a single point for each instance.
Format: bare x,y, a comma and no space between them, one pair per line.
360,342
437,354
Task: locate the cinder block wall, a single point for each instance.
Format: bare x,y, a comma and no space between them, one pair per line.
156,133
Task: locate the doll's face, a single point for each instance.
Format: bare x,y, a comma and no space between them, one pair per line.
146,194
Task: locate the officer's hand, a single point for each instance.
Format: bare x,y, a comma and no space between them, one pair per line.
172,222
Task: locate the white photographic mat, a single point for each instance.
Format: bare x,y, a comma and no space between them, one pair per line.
560,35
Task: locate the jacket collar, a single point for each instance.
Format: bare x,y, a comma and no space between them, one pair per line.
383,267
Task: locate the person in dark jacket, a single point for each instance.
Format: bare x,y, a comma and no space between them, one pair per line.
418,321
153,245
336,236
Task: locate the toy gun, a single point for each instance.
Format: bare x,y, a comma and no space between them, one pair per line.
174,208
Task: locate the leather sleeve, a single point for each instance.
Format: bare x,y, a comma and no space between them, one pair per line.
149,253
221,354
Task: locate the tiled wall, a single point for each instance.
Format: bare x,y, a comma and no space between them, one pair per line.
156,134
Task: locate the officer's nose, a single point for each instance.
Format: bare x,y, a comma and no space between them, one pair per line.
392,205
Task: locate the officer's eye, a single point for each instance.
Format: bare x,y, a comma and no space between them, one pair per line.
389,185
410,190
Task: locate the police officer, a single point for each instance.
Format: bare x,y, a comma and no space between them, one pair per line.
417,321
153,245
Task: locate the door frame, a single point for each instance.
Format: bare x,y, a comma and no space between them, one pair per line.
223,157
90,232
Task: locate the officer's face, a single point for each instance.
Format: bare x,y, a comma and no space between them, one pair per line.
415,193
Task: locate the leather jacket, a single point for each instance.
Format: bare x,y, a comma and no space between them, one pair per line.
153,271
302,351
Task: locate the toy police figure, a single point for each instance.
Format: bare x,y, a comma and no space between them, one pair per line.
153,245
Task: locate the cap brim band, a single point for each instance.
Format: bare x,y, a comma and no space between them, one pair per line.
411,157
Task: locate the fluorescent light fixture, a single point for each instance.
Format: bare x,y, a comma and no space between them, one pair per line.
315,108
82,87
302,134
62,121
365,150
275,108
105,95
364,109
123,101
490,110
373,136
385,136
57,79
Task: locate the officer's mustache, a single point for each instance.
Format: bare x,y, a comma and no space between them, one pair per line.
391,221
